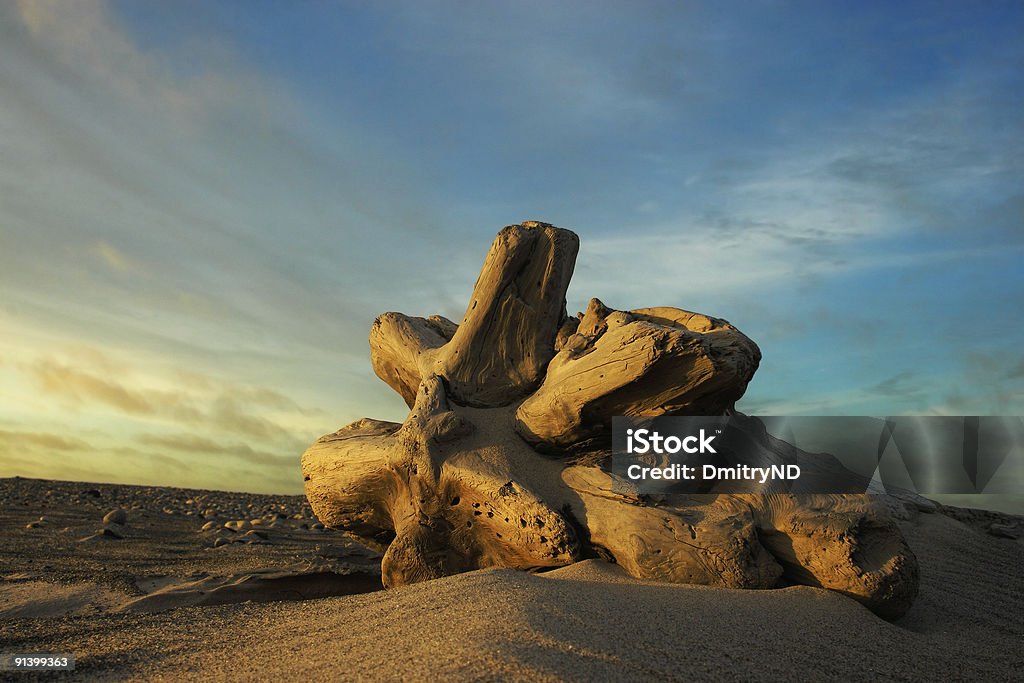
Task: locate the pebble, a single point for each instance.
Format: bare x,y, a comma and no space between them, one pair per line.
254,537
117,516
1004,530
273,513
113,530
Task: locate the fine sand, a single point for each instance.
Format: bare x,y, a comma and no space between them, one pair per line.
157,598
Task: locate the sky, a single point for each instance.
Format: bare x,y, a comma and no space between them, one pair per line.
204,205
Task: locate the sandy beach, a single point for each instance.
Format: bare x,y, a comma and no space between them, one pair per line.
614,341
167,601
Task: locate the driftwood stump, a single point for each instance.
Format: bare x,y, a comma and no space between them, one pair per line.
499,462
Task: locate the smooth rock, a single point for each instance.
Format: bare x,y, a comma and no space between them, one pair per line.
1004,530
117,516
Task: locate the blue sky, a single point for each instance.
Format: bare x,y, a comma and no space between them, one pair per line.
203,205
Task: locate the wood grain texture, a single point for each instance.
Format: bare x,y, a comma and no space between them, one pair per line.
655,361
481,472
506,339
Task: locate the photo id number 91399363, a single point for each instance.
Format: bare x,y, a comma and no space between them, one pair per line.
36,661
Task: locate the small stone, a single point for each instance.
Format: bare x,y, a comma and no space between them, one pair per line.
220,541
254,537
1004,530
209,526
236,525
117,516
113,531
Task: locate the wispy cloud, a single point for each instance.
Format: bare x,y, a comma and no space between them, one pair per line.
197,445
252,411
112,257
85,41
1017,371
44,440
80,386
142,462
898,384
222,216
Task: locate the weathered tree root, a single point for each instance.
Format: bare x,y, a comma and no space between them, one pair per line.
485,471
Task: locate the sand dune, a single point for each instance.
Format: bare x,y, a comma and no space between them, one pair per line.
584,622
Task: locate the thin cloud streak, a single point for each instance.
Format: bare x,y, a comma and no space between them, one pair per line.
215,407
223,216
